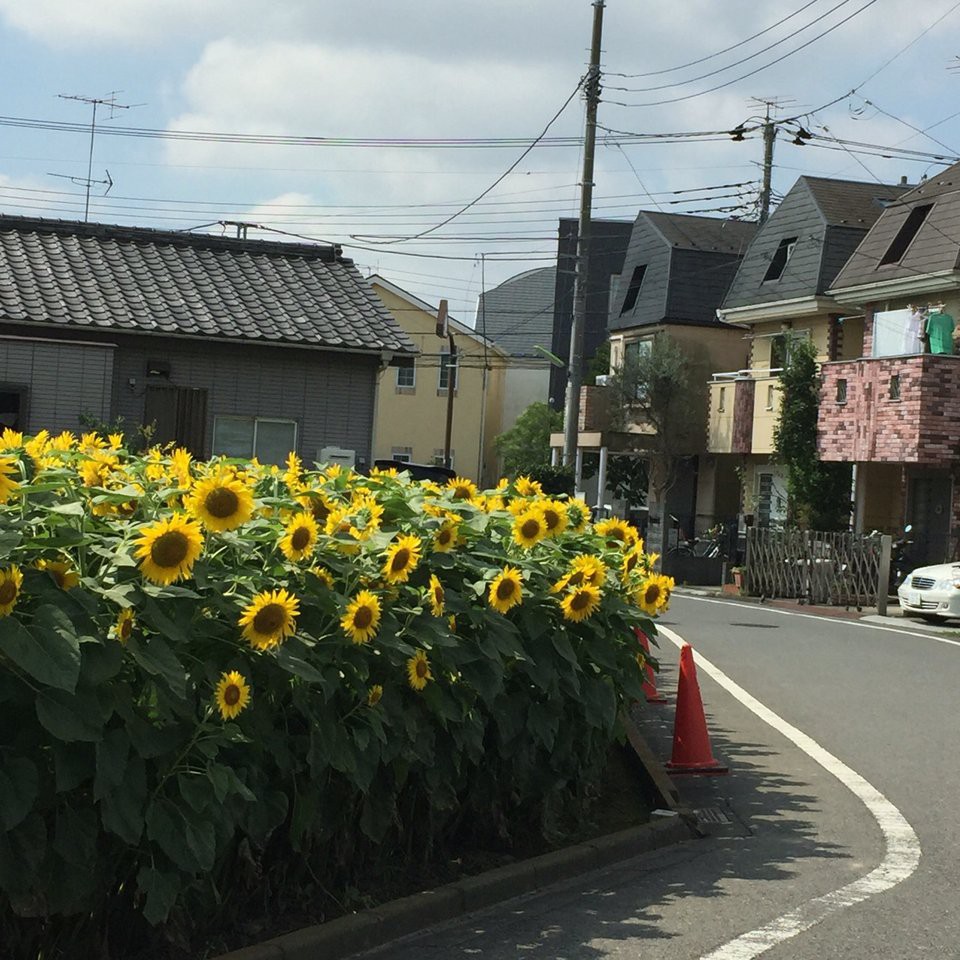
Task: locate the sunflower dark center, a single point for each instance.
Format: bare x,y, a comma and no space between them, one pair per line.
400,560
461,493
530,528
169,549
652,593
231,695
631,562
221,503
551,519
363,618
59,577
126,628
438,593
270,619
422,668
505,589
8,591
617,534
576,578
580,601
443,537
300,538
319,509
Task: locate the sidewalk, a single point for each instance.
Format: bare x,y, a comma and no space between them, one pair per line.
893,618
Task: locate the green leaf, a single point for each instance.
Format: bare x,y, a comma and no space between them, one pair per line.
50,652
75,835
225,781
72,763
18,791
73,509
543,722
292,657
71,717
160,891
260,819
122,811
9,541
100,660
561,644
188,841
112,754
150,741
21,853
159,660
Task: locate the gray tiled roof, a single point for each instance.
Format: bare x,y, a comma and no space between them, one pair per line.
143,280
934,248
851,203
517,315
691,232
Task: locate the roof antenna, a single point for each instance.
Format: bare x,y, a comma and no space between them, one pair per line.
87,182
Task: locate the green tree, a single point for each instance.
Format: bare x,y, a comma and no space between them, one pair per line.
525,447
819,492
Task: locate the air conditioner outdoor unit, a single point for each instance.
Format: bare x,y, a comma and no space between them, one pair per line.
346,458
602,380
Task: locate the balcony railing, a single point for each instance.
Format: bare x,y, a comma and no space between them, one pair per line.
903,409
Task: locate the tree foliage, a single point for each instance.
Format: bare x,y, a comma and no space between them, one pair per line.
819,492
525,447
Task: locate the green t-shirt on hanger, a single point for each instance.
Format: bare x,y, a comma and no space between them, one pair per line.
940,328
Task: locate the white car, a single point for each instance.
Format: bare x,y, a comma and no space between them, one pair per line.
931,592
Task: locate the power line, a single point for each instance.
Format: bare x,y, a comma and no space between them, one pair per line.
720,86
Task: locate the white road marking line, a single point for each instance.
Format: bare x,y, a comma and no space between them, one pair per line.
814,616
900,859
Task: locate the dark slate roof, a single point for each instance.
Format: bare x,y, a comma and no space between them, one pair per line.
517,315
181,284
934,248
691,232
828,218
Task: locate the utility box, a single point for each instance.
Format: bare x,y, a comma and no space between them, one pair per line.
331,455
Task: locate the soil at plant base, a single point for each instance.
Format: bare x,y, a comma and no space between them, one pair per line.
622,798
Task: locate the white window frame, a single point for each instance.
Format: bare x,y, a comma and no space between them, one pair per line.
444,364
412,367
439,460
403,454
256,421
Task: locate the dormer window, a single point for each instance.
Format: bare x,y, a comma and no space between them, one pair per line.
633,291
905,234
779,260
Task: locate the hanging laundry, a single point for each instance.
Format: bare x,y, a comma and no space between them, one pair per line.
940,327
911,333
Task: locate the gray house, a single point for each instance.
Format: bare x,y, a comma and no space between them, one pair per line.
780,292
239,347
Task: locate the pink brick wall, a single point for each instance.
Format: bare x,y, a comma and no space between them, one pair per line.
922,427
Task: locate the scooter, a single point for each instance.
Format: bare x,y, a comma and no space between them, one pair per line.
900,564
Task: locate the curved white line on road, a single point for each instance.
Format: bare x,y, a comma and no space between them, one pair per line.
902,847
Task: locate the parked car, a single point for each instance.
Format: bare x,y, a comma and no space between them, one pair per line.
931,592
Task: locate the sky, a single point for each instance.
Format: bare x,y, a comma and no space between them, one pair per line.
383,71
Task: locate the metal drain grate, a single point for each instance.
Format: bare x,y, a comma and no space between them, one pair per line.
711,815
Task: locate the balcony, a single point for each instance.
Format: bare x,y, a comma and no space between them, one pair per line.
902,409
744,405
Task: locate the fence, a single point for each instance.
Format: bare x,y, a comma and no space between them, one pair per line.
838,569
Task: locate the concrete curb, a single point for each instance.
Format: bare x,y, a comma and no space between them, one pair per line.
348,935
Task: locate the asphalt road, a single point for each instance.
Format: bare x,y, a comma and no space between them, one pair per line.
784,830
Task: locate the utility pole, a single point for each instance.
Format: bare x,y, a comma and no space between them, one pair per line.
445,330
769,138
571,409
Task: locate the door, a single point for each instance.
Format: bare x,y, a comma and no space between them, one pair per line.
179,415
928,510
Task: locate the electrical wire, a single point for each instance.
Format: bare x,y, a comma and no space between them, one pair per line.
720,86
693,63
738,63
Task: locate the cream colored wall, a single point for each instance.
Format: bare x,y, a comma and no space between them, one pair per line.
766,411
764,331
417,418
720,432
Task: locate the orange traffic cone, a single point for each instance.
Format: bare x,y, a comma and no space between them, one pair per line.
650,683
691,742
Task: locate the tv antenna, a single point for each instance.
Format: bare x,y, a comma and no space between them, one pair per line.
88,182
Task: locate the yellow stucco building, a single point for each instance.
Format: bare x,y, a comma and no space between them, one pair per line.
411,410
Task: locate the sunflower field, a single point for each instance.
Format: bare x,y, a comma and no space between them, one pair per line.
225,686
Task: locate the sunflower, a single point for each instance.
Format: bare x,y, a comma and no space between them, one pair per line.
529,527
578,515
362,618
300,537
92,441
618,532
374,695
462,488
269,618
418,670
8,486
123,627
401,559
506,590
220,502
437,595
366,514
633,560
180,467
169,548
323,575
593,570
11,579
233,694
10,439
554,517
445,538
62,572
653,594
292,474
580,603
63,441
526,487
96,470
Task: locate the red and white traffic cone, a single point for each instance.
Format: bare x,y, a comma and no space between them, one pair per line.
691,742
649,683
